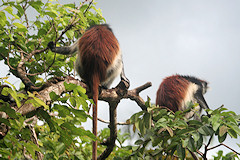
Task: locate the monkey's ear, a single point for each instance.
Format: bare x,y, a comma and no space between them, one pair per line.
51,45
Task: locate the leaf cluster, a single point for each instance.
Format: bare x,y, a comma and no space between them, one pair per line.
164,134
27,26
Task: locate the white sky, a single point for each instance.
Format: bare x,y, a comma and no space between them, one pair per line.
160,38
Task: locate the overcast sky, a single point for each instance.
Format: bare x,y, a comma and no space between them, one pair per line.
160,38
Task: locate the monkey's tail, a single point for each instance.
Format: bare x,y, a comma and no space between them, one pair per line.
95,85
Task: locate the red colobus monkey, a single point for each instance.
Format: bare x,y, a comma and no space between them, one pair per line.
99,62
177,90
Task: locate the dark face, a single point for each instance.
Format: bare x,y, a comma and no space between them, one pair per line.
204,87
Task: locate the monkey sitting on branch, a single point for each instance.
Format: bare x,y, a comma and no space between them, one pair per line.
99,62
175,93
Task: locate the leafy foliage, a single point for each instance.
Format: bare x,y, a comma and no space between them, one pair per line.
26,27
49,21
163,133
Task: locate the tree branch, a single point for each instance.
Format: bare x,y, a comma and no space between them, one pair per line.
221,144
107,95
113,130
112,96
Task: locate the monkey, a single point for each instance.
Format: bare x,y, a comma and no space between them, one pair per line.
176,91
99,62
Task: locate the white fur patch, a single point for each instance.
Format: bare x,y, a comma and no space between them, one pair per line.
189,97
114,70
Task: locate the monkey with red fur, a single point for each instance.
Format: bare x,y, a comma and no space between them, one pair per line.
99,62
176,91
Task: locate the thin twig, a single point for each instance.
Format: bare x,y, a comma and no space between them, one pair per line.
107,122
34,74
206,148
25,15
88,7
221,144
72,22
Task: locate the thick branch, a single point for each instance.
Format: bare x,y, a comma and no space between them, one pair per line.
22,71
113,131
107,95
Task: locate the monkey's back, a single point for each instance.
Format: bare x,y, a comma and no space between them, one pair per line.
172,92
98,49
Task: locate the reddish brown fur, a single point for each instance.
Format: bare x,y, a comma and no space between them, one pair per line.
98,48
171,91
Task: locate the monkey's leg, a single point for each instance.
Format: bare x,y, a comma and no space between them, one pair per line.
123,76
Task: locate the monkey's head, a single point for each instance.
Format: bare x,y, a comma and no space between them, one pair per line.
204,86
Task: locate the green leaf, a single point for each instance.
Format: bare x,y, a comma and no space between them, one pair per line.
195,123
181,151
20,10
13,93
185,142
37,100
205,130
20,27
135,117
70,34
2,19
139,142
81,90
147,120
41,32
232,133
142,127
9,111
36,5
222,130
60,148
170,131
222,138
196,136
234,127
80,114
72,101
191,144
31,148
69,86
47,118
9,9
199,142
62,110
53,96
5,121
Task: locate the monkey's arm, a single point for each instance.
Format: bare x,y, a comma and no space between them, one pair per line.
66,50
200,100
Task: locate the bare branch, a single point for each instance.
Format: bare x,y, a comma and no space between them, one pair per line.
108,122
22,74
88,7
113,131
205,153
221,144
107,95
25,15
